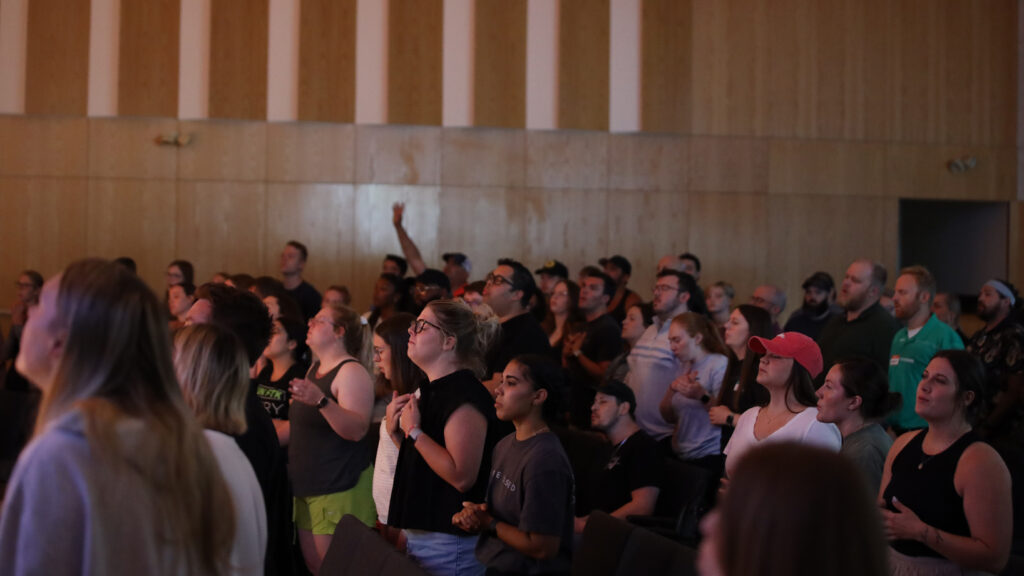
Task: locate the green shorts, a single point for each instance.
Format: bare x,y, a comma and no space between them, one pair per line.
320,514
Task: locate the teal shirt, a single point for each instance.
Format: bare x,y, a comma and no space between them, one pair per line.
908,357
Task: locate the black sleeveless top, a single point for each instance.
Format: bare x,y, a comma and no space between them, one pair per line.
924,484
420,499
319,461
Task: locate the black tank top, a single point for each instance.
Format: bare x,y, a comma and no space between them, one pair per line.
924,484
319,461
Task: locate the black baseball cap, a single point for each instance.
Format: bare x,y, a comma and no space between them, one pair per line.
820,280
434,277
619,262
553,268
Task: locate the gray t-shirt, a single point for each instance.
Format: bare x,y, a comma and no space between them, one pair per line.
867,449
531,487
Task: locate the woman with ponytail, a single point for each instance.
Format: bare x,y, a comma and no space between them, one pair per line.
856,398
445,437
329,453
119,478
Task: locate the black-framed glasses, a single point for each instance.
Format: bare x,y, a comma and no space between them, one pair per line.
497,279
658,288
419,325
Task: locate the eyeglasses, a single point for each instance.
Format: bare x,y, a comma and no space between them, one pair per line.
424,288
497,280
420,325
377,351
659,288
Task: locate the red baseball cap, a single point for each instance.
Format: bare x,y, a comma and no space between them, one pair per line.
793,345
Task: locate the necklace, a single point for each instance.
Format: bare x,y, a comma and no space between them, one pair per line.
538,431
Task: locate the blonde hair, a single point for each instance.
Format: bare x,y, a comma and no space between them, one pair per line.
358,336
213,371
474,331
116,370
695,324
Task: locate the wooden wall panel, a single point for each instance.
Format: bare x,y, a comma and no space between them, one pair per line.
728,165
398,154
666,58
238,59
918,171
644,226
499,72
327,60
57,57
127,148
826,167
727,232
415,34
491,237
43,226
222,226
136,219
566,159
218,150
568,224
648,162
147,79
311,152
321,216
483,157
583,64
44,146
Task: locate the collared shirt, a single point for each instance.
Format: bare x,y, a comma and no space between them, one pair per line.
652,367
908,357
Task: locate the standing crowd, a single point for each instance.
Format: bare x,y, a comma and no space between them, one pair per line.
207,432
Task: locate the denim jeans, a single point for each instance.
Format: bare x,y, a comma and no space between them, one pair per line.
443,554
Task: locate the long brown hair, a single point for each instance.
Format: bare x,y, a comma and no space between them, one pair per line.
796,490
116,371
406,377
742,374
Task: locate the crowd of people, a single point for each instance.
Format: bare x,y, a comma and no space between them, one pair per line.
207,431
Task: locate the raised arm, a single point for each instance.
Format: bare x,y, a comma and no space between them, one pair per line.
409,249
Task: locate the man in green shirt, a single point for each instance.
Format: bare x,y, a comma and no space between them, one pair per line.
915,344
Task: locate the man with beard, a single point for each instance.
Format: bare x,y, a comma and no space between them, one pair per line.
1000,347
772,300
916,343
818,308
507,291
865,329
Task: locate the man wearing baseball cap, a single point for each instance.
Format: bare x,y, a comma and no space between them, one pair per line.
619,269
1000,347
818,307
551,273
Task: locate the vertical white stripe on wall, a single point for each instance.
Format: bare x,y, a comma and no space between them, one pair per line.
13,54
194,60
283,60
458,62
371,61
624,72
104,40
542,64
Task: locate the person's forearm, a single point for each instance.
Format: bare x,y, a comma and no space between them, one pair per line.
442,463
532,545
284,431
595,369
410,250
964,551
345,423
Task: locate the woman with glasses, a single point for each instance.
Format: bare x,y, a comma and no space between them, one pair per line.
329,453
119,478
445,436
790,362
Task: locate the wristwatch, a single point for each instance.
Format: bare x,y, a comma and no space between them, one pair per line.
414,434
705,399
728,420
321,402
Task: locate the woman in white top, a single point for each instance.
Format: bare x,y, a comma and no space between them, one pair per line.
790,363
213,371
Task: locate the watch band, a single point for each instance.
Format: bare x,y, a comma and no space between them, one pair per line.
321,403
415,434
729,420
705,399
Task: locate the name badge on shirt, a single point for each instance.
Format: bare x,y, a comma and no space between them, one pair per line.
894,361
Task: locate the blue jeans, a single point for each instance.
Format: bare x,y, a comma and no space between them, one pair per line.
443,554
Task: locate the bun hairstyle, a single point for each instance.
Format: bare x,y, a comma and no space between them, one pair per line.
864,378
543,374
695,324
358,336
474,332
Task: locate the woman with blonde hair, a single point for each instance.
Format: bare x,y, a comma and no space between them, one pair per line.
445,437
119,478
329,452
213,371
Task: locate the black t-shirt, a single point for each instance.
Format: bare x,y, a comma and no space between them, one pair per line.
308,298
519,335
274,393
531,488
602,342
634,464
421,499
